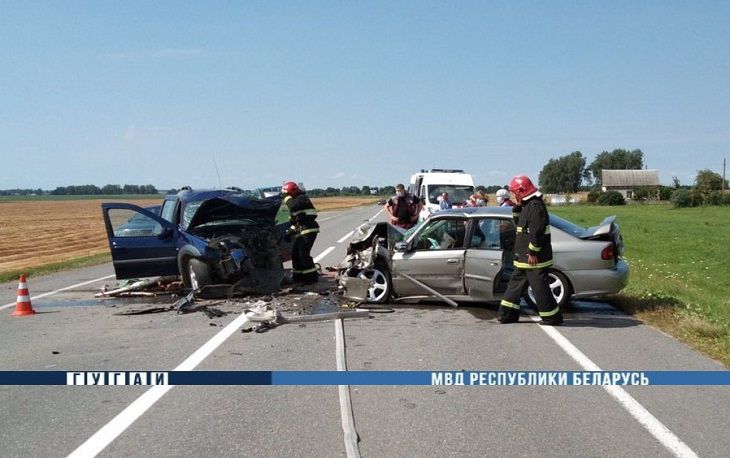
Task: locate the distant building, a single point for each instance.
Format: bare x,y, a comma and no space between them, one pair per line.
625,181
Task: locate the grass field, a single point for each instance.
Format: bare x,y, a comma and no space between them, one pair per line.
680,266
46,235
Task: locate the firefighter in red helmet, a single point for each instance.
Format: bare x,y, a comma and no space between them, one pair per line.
304,229
533,255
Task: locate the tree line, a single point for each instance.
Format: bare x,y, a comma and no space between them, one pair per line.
567,174
84,190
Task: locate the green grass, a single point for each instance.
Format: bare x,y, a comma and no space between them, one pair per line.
89,197
679,268
57,266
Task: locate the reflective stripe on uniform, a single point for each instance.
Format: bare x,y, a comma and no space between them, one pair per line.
309,231
533,247
527,230
308,271
540,265
509,304
551,312
287,199
308,211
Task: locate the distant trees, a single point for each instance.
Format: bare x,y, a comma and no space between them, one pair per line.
616,159
708,181
109,189
563,174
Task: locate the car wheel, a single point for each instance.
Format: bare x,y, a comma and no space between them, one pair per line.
559,286
379,291
198,274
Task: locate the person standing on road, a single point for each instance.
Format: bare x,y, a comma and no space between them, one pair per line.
533,255
503,199
403,208
304,229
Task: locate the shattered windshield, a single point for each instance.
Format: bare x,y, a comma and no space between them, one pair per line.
412,230
189,212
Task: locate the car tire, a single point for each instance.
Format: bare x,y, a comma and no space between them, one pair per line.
559,286
198,274
380,287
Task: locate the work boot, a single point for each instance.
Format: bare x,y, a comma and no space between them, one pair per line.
508,315
555,320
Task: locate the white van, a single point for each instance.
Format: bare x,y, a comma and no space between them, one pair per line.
429,184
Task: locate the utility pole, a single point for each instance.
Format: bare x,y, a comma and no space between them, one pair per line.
723,175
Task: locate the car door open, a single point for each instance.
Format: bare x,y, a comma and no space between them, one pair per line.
488,262
142,244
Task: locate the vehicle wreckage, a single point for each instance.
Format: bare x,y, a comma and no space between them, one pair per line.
467,254
220,236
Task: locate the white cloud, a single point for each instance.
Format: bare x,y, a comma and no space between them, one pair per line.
340,175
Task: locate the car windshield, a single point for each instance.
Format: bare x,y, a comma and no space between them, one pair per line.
458,194
189,212
412,230
567,226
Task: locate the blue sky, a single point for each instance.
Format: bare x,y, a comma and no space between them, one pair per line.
354,93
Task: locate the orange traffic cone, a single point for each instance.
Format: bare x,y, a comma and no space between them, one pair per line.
22,305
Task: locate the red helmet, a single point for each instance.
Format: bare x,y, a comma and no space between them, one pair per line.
522,186
291,188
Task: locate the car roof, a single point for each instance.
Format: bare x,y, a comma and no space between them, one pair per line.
202,194
472,212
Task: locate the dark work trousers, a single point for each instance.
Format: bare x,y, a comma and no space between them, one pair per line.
509,309
303,268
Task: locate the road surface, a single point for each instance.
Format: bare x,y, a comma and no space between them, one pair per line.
75,331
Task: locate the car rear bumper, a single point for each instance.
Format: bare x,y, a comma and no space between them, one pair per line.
600,282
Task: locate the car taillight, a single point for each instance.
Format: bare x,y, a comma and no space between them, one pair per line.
608,253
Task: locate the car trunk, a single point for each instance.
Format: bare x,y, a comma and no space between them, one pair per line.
608,231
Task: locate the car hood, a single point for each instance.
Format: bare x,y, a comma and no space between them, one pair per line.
235,207
363,235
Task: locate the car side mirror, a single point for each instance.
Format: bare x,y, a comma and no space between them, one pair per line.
401,247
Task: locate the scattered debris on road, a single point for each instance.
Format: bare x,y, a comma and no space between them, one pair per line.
294,304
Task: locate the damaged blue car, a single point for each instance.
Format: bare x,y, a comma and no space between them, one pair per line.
207,237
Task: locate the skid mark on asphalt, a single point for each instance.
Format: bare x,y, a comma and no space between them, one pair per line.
657,429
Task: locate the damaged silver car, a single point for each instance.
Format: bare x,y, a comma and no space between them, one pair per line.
466,255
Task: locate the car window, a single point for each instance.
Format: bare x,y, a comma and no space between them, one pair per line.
442,234
130,223
567,226
493,234
168,210
458,194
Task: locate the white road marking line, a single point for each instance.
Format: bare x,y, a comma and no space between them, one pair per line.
102,438
348,420
657,429
345,237
12,304
109,432
324,253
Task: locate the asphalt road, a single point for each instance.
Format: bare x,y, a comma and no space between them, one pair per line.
75,331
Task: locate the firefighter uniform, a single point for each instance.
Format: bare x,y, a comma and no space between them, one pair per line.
533,237
304,229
